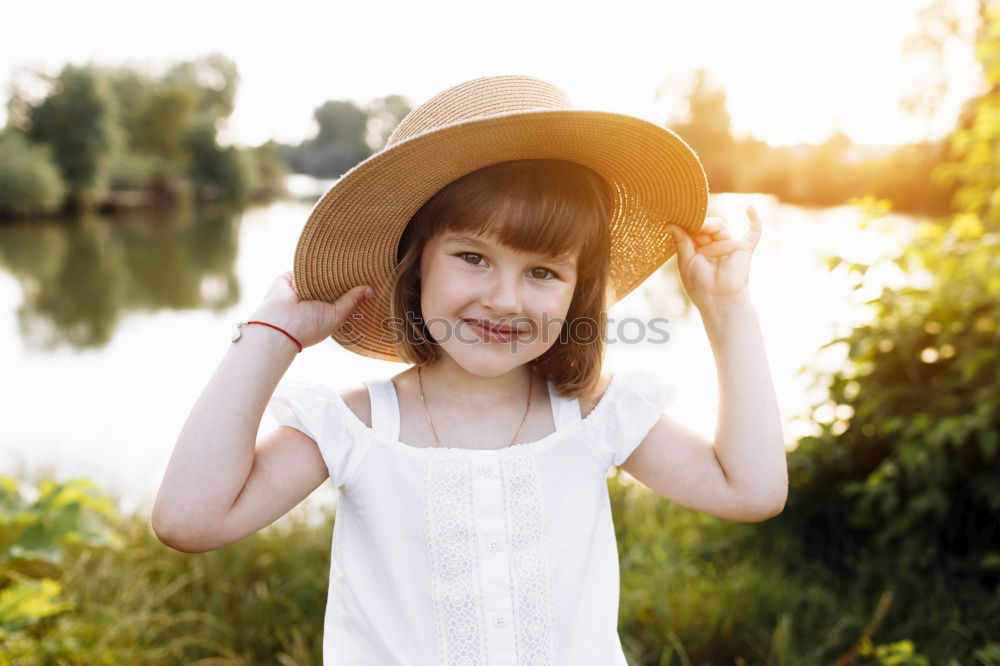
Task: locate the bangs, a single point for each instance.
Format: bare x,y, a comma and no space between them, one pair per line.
550,207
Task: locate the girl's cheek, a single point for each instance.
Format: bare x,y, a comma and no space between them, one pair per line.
438,329
553,329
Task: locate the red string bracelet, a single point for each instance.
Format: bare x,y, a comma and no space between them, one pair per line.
238,333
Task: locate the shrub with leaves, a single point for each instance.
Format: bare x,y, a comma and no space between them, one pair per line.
30,183
910,461
37,538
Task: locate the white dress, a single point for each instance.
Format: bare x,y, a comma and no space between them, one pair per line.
462,556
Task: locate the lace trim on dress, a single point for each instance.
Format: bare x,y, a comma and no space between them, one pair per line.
454,561
526,511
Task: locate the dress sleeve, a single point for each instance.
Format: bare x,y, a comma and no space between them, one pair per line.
315,410
631,404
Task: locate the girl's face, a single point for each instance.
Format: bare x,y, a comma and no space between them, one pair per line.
490,307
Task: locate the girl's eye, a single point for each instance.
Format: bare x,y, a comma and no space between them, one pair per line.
463,255
534,274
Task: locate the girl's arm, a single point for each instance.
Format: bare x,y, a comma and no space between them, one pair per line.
748,436
743,474
214,454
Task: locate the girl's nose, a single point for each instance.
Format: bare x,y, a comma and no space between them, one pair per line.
504,294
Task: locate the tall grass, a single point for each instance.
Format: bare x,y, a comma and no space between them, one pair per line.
695,590
701,590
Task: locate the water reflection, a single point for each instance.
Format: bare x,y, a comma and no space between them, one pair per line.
78,278
141,310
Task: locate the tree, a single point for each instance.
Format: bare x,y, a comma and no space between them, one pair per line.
707,129
216,171
941,27
215,78
340,143
975,145
153,113
77,120
384,114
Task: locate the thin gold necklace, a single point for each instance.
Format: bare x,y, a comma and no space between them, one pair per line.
437,442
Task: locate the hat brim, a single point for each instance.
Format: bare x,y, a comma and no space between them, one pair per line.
353,230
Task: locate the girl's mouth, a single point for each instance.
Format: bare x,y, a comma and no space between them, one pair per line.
487,334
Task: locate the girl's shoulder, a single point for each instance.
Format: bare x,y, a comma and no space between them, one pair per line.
358,401
589,402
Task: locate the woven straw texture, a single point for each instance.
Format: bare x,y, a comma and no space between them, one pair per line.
353,231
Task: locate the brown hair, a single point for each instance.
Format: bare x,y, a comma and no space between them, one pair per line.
533,205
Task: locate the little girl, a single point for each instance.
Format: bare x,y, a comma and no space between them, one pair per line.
482,247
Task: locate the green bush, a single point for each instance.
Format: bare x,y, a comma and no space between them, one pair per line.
908,461
78,585
701,590
38,540
30,183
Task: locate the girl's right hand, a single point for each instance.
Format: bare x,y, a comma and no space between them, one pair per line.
310,322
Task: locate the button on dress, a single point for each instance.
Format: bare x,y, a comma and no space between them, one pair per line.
458,556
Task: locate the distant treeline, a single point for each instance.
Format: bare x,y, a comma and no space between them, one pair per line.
824,175
105,137
810,175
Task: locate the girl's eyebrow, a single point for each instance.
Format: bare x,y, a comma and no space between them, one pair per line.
472,240
463,238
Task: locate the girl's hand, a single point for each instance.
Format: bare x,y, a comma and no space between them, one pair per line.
712,264
310,322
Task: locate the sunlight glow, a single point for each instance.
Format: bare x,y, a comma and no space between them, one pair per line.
793,71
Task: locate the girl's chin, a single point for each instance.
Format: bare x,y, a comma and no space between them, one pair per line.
487,360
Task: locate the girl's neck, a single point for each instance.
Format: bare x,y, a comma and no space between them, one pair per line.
461,388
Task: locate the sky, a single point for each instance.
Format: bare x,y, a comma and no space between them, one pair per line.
793,70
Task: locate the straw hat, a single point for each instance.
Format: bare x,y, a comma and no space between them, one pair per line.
353,231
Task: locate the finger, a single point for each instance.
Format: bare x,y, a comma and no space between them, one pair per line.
721,248
344,305
683,242
289,278
702,238
752,236
715,227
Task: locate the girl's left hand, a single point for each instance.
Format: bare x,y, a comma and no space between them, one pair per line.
712,264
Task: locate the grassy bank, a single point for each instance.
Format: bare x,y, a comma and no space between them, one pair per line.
695,590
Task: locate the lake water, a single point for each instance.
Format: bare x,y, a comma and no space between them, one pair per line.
111,328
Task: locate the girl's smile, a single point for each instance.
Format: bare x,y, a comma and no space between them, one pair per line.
489,332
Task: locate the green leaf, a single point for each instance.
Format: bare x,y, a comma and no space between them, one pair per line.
29,601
